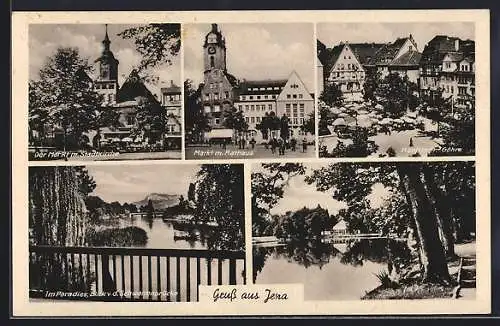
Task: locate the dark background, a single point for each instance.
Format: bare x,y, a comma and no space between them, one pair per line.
493,5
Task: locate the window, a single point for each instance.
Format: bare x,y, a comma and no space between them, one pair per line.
246,108
216,96
240,107
301,95
252,107
247,120
217,121
226,94
207,109
295,112
301,121
301,106
258,97
262,88
252,119
250,97
294,105
130,120
270,106
288,96
447,65
287,112
212,61
349,66
243,97
295,121
257,119
265,97
294,96
287,105
216,108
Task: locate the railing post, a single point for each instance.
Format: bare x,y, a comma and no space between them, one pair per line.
232,271
108,284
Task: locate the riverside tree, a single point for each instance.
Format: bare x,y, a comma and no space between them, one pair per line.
220,199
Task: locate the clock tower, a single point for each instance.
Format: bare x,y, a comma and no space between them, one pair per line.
214,50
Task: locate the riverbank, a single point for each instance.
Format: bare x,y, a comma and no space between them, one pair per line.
426,291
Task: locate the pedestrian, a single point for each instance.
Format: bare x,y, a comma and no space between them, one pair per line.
293,144
304,145
411,141
273,145
252,143
281,146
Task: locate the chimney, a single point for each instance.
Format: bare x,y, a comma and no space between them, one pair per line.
457,44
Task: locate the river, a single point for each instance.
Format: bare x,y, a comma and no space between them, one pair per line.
344,271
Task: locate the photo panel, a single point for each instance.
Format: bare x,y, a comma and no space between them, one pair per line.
249,90
134,232
104,92
366,231
396,89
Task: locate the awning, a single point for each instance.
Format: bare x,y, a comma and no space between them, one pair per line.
219,133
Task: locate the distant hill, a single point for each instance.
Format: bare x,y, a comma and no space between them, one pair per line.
160,201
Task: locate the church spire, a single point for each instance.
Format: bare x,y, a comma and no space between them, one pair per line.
106,40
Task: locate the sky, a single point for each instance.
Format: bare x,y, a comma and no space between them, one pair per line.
130,183
44,39
332,34
299,194
255,51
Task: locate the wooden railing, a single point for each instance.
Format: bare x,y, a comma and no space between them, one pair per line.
124,274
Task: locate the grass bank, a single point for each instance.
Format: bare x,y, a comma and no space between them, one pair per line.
130,236
412,291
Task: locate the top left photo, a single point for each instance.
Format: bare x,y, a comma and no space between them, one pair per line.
104,92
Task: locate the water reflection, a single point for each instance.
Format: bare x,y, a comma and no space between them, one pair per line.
343,270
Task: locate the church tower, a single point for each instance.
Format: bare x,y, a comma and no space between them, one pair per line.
107,81
214,50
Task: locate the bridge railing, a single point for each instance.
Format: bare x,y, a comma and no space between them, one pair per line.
123,274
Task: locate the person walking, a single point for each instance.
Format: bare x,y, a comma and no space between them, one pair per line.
252,143
304,145
281,146
273,145
293,144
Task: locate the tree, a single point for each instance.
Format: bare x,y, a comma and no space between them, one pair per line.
157,43
220,199
150,210
191,192
151,119
267,189
361,146
332,95
352,183
323,121
396,94
370,85
195,121
309,124
284,127
63,96
270,122
234,119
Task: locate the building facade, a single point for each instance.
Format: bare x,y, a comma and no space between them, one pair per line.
171,102
447,69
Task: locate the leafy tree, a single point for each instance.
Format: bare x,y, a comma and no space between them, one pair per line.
195,121
370,85
157,43
309,124
332,95
361,146
192,192
267,189
269,122
284,127
63,96
396,94
220,199
150,210
234,119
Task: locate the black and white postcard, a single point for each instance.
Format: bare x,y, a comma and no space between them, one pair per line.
256,163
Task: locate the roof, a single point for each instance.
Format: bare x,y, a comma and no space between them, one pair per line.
172,89
440,45
215,30
410,58
455,56
232,80
365,51
388,51
246,87
134,87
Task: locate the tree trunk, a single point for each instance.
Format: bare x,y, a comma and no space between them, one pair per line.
432,256
442,211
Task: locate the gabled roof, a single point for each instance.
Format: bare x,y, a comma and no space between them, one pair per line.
388,52
134,87
440,45
410,58
454,56
365,51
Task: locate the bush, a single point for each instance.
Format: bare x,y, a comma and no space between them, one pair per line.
130,236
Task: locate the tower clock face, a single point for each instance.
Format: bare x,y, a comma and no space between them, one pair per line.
211,50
